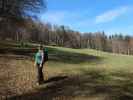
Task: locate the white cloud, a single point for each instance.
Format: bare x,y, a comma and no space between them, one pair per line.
111,15
82,20
55,17
60,17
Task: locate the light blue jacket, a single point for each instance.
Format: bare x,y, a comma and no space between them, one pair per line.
39,58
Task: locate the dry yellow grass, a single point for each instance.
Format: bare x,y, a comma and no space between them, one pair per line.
69,75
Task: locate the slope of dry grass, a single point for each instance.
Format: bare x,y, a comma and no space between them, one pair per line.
69,75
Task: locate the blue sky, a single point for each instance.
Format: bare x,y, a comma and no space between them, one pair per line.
111,16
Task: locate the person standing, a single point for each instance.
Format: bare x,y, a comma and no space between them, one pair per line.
39,61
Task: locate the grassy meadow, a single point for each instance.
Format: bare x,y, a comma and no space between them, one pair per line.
70,74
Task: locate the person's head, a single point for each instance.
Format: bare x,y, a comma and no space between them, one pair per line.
40,48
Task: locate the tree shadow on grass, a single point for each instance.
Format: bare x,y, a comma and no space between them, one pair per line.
89,84
55,55
58,55
55,79
19,51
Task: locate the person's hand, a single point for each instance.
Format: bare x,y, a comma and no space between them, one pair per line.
40,65
34,64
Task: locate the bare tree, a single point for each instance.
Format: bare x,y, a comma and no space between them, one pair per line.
19,8
13,13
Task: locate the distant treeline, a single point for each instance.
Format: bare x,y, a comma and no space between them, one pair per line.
48,34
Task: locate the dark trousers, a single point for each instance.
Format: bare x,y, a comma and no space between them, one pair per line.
39,74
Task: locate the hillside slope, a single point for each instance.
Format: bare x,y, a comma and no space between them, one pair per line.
70,74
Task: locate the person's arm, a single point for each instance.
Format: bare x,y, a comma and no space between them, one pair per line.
35,63
42,55
35,60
